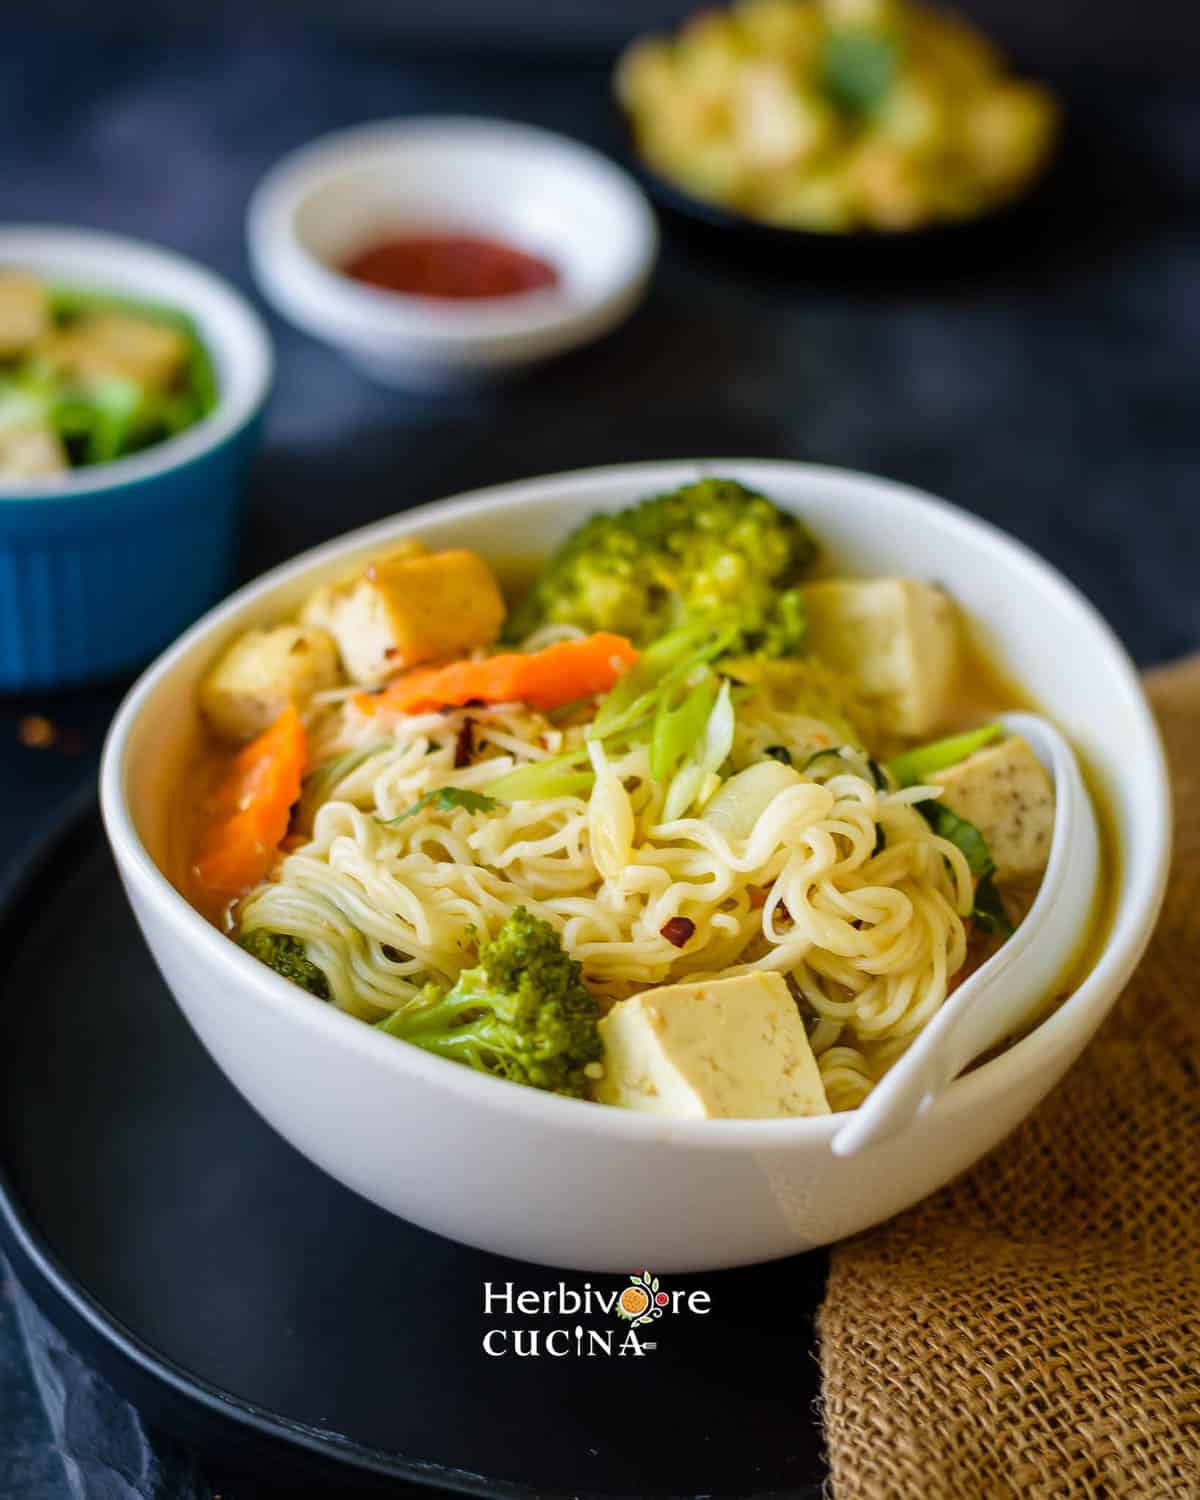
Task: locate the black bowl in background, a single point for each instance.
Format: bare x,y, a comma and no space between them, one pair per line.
946,250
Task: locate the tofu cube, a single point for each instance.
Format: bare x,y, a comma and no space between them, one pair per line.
406,609
261,673
103,345
31,452
711,1049
24,312
1007,794
896,641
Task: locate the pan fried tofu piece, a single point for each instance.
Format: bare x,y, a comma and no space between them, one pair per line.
896,642
261,673
1005,791
409,608
103,345
711,1049
31,452
24,312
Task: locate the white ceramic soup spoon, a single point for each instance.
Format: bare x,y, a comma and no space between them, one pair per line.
993,1003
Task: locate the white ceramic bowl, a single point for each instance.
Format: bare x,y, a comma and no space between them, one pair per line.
516,183
574,1184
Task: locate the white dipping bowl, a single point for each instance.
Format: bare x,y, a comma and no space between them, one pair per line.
562,1181
527,187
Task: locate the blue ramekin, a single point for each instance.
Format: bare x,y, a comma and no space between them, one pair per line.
100,570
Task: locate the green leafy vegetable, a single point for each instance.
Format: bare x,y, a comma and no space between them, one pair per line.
962,834
523,1013
781,753
989,909
858,68
916,766
118,406
445,799
288,957
101,417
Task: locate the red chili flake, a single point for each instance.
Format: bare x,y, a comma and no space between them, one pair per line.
758,897
464,747
678,930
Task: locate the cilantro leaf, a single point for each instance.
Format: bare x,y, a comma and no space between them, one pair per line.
858,69
446,799
963,835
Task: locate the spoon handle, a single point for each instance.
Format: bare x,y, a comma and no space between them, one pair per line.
996,999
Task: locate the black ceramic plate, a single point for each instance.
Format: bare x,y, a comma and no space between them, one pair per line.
258,1310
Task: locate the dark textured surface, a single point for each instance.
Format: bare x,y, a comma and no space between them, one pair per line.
206,1237
1154,33
1052,389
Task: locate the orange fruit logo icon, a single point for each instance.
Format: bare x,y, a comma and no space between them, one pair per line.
634,1301
642,1300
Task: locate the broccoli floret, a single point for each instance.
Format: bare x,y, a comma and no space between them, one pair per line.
710,548
522,1013
287,956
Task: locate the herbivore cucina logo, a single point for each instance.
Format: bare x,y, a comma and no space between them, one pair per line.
640,1303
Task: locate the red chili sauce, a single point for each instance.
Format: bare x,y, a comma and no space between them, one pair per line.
450,265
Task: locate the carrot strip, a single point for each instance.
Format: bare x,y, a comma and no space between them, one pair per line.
560,674
246,818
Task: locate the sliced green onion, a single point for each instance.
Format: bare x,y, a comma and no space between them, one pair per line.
662,669
565,775
914,767
697,779
676,730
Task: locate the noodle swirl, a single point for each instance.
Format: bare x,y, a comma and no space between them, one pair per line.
841,887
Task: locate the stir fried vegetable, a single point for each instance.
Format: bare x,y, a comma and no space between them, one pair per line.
712,550
560,674
247,816
522,1013
87,378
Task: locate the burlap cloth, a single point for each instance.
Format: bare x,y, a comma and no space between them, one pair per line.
1033,1330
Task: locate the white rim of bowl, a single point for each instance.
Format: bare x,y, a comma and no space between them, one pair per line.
235,331
1123,944
318,296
